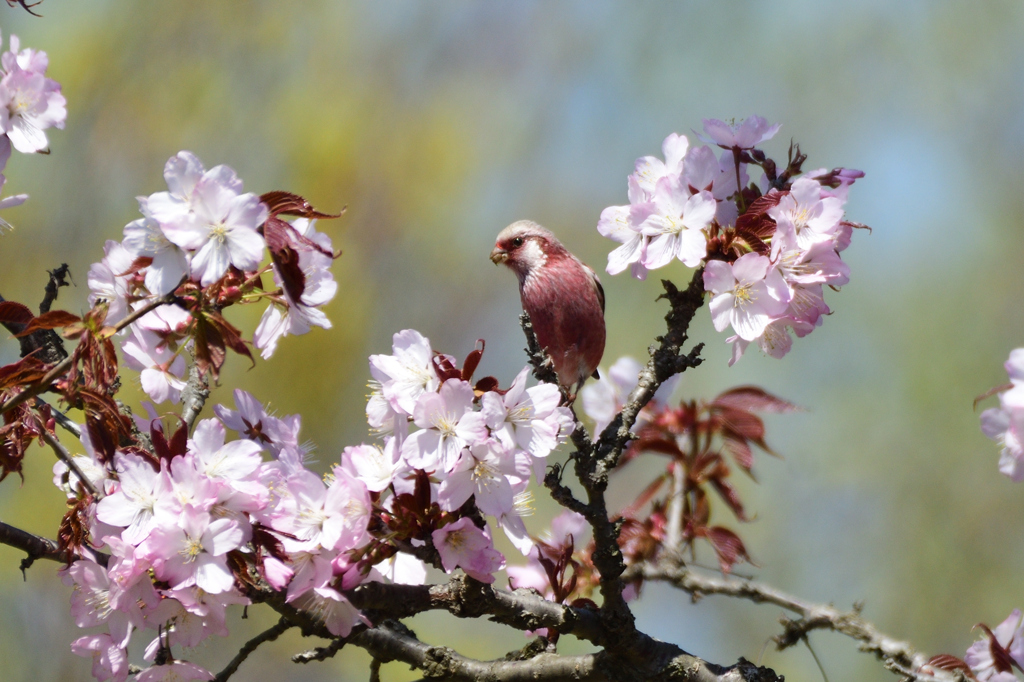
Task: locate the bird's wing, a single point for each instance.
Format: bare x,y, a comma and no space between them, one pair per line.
597,286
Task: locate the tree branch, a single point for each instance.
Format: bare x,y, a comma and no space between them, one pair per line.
898,655
595,460
268,635
465,598
194,395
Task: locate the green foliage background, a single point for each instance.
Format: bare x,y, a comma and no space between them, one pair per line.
439,123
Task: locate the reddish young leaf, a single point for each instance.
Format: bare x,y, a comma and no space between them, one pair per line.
472,360
749,398
740,451
444,368
762,204
948,662
50,320
740,423
486,384
279,202
286,259
11,312
26,371
139,264
231,335
727,546
730,496
209,348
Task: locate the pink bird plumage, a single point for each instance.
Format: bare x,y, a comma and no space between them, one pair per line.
563,296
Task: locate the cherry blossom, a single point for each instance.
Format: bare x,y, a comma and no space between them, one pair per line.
746,134
448,424
805,218
29,101
109,661
133,505
160,369
406,374
675,225
144,237
107,281
748,294
462,545
529,418
191,552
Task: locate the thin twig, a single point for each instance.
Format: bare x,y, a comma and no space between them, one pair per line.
62,419
812,616
321,653
34,546
268,635
65,456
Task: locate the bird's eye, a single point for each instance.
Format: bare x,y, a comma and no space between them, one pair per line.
518,241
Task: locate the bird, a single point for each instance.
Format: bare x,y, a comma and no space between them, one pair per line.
564,298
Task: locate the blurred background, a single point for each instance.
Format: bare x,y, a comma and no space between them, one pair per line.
439,123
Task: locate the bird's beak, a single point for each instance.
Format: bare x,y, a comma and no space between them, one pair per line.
499,255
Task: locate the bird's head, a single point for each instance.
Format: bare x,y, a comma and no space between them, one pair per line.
526,247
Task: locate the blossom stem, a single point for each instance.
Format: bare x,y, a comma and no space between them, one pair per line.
65,456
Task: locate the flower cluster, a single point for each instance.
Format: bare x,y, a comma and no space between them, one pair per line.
188,525
205,241
768,246
474,441
29,104
1005,424
181,523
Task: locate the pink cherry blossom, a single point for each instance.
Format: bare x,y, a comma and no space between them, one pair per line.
748,294
650,170
234,461
529,418
331,608
463,545
90,601
133,505
161,370
406,374
182,172
109,661
192,552
107,281
210,216
374,466
89,464
604,398
675,225
448,424
746,134
622,224
804,217
144,237
29,101
482,471
403,569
